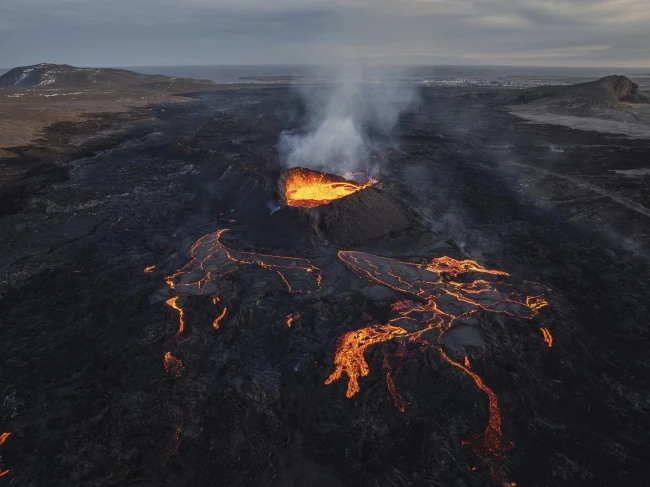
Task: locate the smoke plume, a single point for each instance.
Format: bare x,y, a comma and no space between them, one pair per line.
347,122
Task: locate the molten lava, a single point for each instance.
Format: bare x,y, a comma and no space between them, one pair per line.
398,400
309,189
350,350
149,269
490,445
443,292
447,290
210,259
546,335
3,438
173,303
291,318
217,320
173,366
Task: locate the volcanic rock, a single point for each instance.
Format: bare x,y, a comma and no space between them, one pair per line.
375,292
459,338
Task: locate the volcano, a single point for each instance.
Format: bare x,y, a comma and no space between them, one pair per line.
305,208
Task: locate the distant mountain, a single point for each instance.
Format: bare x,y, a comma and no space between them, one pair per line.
64,76
605,92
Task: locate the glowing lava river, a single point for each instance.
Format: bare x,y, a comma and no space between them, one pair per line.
447,291
437,296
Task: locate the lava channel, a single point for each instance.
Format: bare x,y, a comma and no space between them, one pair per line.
3,438
447,291
212,259
309,189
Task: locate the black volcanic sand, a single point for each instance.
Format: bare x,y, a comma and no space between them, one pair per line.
88,401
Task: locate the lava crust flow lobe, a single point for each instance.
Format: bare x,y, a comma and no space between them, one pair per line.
447,290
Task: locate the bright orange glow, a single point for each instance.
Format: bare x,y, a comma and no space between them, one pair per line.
548,338
398,400
491,444
291,318
536,302
440,294
217,320
211,258
173,303
447,290
309,189
150,268
456,267
350,349
3,438
173,366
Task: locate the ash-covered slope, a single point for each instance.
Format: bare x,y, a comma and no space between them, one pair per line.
605,92
63,75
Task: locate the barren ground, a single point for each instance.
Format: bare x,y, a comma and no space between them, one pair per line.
84,390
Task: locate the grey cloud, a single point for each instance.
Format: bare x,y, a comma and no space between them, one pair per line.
281,31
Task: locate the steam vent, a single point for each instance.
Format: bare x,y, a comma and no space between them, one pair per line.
310,208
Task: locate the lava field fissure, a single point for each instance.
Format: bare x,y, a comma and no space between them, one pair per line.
447,290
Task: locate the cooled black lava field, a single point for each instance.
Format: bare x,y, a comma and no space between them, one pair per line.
522,359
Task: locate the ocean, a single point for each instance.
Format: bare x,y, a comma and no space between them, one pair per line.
509,76
436,75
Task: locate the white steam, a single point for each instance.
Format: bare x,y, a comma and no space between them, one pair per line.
347,122
336,145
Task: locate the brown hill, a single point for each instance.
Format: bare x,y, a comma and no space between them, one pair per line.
66,76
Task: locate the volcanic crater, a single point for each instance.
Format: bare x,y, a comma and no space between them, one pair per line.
328,208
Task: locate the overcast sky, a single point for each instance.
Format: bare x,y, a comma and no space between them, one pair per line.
609,33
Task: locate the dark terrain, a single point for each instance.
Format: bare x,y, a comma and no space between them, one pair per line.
87,399
609,91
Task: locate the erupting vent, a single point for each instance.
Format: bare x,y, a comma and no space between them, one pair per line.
309,189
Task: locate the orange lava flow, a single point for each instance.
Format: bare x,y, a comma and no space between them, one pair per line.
309,189
445,291
173,366
290,319
217,320
546,335
350,349
456,267
149,269
399,401
491,445
173,303
210,259
3,438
